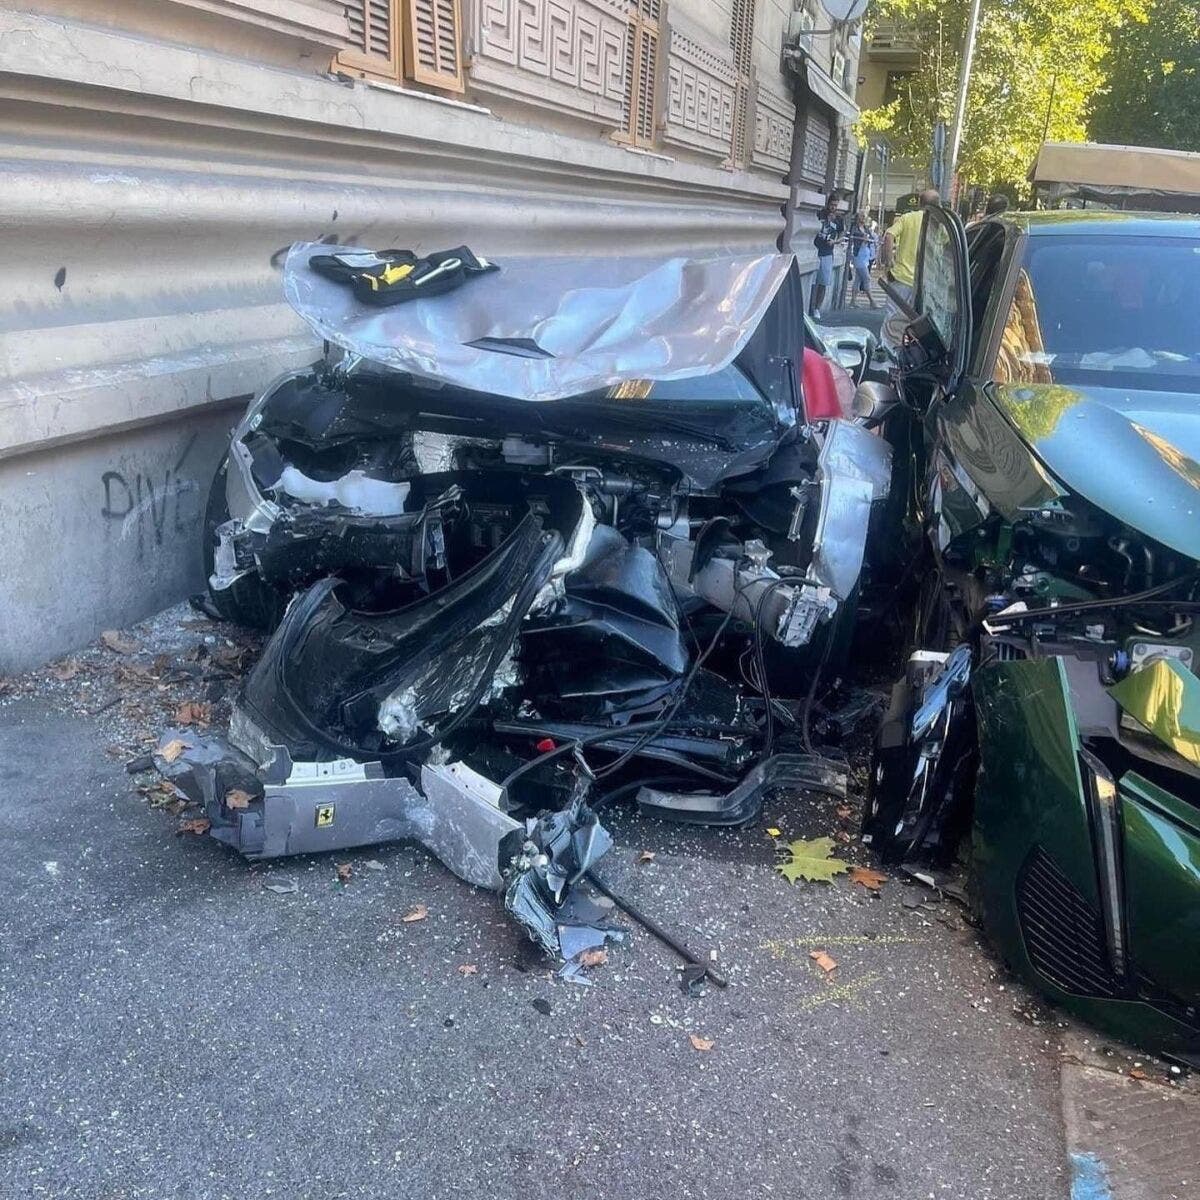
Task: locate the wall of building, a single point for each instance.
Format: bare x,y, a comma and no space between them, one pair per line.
157,158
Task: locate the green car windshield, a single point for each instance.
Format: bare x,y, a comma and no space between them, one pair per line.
1108,311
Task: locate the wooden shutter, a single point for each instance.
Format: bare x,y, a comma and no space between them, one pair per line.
641,72
741,42
433,43
376,36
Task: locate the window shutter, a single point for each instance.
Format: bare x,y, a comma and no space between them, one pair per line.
376,36
433,43
741,42
641,72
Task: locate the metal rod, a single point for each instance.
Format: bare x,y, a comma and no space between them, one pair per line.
964,82
652,926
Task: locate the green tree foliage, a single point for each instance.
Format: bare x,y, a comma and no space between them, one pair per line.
1153,93
1038,65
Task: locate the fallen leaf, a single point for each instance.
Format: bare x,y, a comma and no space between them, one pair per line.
1137,1073
468,969
118,643
773,832
844,812
823,960
701,1043
870,878
593,958
195,825
193,712
172,750
67,669
344,871
810,860
236,798
419,913
646,856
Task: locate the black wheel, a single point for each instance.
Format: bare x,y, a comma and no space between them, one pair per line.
248,601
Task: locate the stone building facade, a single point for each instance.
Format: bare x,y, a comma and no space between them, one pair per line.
157,157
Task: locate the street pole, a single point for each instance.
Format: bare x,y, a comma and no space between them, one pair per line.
964,81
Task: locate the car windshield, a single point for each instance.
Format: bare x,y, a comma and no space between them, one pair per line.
1109,310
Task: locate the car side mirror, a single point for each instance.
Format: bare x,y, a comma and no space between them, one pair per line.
849,355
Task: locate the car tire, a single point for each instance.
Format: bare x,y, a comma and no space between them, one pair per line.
248,601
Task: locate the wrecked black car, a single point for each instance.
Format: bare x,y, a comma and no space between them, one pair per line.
1049,718
526,536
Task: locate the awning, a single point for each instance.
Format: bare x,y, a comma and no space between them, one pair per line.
821,84
1142,168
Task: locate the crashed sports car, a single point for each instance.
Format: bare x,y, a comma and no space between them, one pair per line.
1050,713
563,535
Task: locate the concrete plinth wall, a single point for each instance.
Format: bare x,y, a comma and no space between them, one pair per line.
149,189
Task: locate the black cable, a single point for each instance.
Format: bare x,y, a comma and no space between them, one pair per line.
1076,606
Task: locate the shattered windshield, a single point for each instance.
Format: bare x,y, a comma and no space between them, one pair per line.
1108,310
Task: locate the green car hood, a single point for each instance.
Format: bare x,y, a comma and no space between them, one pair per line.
1136,455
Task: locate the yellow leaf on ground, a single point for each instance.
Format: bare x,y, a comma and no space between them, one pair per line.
773,832
810,860
419,913
173,749
868,877
701,1043
823,960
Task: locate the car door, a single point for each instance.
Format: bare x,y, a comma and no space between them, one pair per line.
942,295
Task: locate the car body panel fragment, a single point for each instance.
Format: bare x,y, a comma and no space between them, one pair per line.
1164,698
806,772
595,321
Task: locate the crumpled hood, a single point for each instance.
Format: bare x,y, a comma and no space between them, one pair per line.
547,328
1136,455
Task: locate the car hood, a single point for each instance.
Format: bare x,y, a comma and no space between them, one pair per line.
1136,455
547,328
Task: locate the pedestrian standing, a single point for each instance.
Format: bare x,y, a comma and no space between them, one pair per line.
829,232
900,245
862,255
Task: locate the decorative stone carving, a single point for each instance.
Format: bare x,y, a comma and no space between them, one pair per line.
774,117
568,55
700,95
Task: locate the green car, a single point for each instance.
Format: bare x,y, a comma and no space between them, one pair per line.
1049,717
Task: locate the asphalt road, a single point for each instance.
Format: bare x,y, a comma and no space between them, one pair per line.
174,1029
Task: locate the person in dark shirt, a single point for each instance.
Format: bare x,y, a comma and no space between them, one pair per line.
829,232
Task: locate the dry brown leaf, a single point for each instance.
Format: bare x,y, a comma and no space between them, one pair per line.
823,960
844,812
118,643
419,913
1137,1073
172,750
193,712
701,1043
467,969
646,856
195,825
236,798
593,958
870,878
344,871
67,669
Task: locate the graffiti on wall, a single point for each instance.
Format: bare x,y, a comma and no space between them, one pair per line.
152,505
